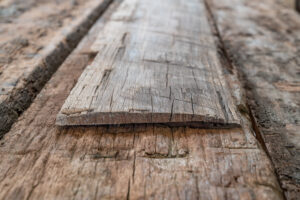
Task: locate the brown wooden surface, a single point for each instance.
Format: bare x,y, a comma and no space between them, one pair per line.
42,161
262,39
35,38
156,62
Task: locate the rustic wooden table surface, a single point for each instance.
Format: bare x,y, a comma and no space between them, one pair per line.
259,46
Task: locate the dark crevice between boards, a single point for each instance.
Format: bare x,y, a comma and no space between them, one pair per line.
228,62
21,98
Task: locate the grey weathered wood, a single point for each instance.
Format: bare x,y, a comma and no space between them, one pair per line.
157,62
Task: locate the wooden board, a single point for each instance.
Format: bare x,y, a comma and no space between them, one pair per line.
41,161
263,42
157,63
35,38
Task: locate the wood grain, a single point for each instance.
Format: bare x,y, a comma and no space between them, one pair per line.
50,30
157,63
263,42
41,161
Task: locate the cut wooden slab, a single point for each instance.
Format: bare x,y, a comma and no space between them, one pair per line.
157,63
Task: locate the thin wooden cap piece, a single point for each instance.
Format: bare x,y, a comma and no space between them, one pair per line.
156,63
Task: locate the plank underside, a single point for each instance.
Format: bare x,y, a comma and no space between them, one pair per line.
156,62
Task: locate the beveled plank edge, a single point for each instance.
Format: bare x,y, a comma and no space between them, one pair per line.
143,118
54,55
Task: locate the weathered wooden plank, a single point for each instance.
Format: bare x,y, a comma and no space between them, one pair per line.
50,30
157,63
41,161
263,42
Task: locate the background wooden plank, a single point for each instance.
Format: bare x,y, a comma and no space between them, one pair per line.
263,42
41,161
35,38
157,63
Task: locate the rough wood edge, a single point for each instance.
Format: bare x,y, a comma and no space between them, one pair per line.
142,118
